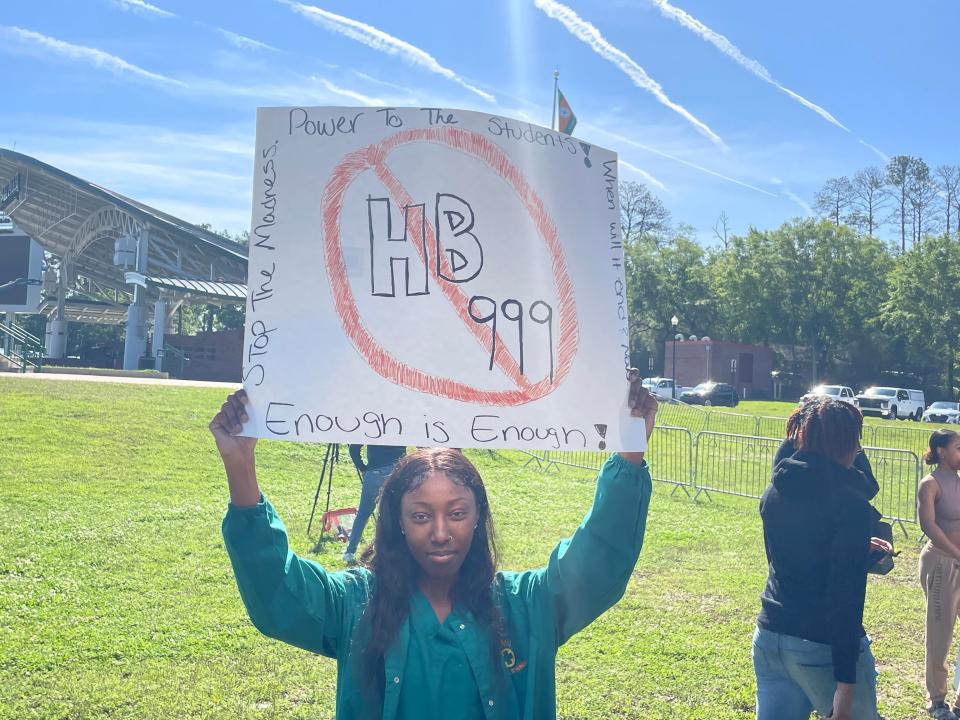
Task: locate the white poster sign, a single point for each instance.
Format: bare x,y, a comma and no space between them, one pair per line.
435,277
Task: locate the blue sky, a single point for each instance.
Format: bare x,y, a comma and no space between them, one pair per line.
742,106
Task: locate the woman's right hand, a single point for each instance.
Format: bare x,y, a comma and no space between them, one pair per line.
842,702
224,426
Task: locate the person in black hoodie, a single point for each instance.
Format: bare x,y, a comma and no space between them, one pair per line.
810,650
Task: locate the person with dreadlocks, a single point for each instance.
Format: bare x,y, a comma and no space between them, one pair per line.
810,650
938,509
788,447
427,627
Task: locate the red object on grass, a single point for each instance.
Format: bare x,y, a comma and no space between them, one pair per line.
339,521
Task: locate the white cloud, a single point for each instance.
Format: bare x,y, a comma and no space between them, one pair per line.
793,197
379,40
800,202
91,56
352,94
733,52
198,176
643,173
142,8
384,83
879,153
245,43
589,34
674,158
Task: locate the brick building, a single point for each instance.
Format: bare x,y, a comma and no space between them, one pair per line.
746,367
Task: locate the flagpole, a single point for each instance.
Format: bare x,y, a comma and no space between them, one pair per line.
553,111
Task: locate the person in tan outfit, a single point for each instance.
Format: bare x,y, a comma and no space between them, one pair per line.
938,507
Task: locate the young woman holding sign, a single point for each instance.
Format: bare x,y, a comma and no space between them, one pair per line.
428,628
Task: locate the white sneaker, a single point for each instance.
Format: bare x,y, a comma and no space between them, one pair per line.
349,558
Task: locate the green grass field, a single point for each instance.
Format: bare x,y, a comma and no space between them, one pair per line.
117,599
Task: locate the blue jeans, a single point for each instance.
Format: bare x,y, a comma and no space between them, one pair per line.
795,676
373,480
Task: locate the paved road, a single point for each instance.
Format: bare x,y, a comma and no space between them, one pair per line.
109,378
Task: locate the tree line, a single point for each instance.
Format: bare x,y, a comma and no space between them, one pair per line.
836,301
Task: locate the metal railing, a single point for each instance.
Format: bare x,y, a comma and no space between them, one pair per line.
174,360
898,472
773,427
712,462
886,434
670,453
892,434
733,464
697,420
26,349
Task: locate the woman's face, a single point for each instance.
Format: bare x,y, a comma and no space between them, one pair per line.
950,455
438,521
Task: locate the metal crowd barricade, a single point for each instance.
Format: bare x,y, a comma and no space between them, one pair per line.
583,459
731,423
894,434
532,457
898,473
733,464
772,427
671,457
679,414
670,454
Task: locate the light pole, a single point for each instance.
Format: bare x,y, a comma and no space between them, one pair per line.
707,340
673,391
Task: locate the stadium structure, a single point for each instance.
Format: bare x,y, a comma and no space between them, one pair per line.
77,252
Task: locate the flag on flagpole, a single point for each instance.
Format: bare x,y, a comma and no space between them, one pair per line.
566,120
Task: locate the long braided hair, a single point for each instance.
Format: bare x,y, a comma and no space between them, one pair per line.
397,572
827,427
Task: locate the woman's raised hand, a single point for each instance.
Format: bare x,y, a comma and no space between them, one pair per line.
642,404
229,421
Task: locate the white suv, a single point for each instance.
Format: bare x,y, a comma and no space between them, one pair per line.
837,392
893,403
943,412
662,387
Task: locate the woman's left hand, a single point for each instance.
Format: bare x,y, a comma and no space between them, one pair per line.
880,544
643,405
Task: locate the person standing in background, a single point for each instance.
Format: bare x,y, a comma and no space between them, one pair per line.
374,472
938,509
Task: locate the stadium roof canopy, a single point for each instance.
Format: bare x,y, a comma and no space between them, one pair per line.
78,222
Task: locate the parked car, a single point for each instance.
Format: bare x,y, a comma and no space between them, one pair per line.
893,403
6,224
837,392
662,387
711,393
943,412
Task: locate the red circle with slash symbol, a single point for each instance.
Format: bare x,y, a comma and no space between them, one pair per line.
373,158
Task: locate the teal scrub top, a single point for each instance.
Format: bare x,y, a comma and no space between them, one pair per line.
440,683
296,601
